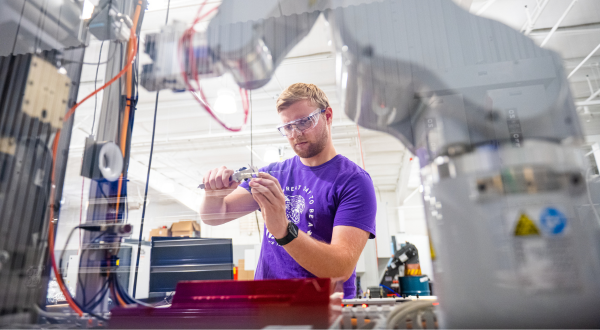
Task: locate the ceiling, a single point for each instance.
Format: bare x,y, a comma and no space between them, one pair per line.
188,143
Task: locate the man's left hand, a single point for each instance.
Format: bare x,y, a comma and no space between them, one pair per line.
267,192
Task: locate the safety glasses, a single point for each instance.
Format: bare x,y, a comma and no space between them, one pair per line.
300,125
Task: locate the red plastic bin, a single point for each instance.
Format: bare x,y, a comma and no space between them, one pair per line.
235,305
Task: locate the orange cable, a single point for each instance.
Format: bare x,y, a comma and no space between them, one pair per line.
116,294
59,280
130,62
131,50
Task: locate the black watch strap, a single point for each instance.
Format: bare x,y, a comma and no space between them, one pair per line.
292,233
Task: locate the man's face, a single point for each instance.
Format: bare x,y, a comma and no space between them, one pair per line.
312,141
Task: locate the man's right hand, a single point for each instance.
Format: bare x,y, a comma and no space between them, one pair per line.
223,201
218,179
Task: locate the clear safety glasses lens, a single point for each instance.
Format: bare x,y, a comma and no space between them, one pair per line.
301,124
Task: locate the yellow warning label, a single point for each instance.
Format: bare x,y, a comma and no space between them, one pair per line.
526,226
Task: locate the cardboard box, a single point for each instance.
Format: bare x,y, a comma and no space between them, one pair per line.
244,275
159,232
185,228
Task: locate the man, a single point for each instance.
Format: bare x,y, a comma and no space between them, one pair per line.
319,207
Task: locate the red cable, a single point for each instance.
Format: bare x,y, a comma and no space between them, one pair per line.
187,41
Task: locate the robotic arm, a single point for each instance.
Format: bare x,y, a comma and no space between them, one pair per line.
438,78
406,259
489,115
247,39
407,255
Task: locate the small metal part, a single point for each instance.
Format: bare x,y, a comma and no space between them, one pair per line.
113,229
108,23
101,160
240,175
47,92
164,72
442,168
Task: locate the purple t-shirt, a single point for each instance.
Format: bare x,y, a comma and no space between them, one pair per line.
336,193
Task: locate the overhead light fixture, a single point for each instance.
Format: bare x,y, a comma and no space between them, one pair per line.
225,103
88,9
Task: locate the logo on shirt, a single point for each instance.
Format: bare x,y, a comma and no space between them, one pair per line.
294,206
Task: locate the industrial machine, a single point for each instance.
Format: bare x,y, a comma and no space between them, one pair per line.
42,44
488,113
34,95
403,274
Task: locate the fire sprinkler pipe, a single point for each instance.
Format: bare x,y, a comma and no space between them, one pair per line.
528,26
558,23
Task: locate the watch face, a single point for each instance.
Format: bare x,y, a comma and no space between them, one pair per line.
293,229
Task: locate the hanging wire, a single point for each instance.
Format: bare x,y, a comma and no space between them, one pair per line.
95,86
360,147
137,259
38,35
186,44
252,158
18,28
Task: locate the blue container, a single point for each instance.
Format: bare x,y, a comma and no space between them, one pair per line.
415,286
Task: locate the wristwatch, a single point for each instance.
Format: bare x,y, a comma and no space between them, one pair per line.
292,233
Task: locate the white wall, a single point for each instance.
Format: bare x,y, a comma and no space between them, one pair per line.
413,228
387,222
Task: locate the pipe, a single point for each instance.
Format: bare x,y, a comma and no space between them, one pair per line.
578,28
558,23
485,7
528,23
587,77
587,103
593,95
527,27
583,62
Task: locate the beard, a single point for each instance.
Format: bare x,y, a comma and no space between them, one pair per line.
313,148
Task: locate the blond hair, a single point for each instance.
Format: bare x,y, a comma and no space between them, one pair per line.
301,91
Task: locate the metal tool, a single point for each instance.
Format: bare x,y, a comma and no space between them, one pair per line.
241,174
